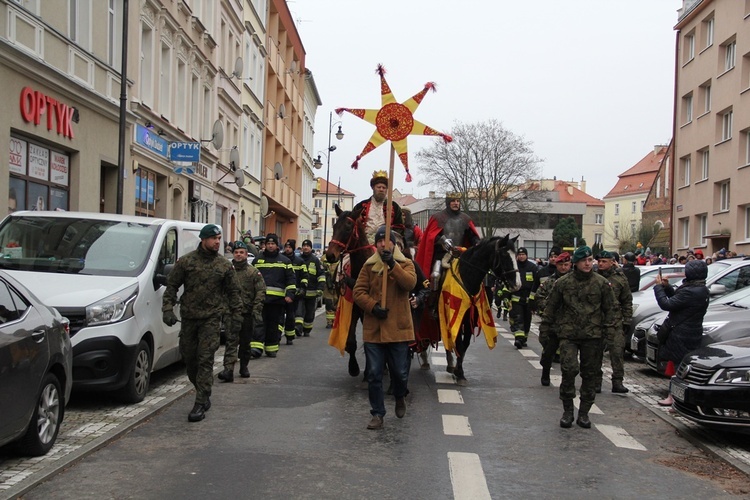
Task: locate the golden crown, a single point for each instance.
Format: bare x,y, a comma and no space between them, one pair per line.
379,173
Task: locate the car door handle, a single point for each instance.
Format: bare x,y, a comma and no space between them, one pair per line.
38,336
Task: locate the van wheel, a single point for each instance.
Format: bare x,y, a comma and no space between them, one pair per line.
45,421
140,375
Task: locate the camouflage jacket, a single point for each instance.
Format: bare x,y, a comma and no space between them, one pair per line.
545,287
210,284
580,306
253,288
623,295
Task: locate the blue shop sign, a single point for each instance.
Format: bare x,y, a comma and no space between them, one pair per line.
151,140
185,151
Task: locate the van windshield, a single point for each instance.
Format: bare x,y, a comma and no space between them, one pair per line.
75,245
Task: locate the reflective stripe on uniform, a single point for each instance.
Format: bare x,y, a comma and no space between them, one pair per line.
276,291
272,348
254,344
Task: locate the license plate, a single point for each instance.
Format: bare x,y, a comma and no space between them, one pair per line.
678,392
650,353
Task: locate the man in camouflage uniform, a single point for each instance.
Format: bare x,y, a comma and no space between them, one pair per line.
210,284
582,307
549,339
316,282
623,314
253,292
294,313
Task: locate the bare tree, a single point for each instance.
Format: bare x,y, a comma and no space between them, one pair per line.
487,165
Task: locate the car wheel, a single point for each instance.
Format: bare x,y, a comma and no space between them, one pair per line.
45,421
140,375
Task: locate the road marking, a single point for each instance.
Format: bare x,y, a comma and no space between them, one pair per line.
450,396
619,437
444,378
594,408
508,336
501,329
456,425
535,363
467,477
438,360
319,312
555,380
528,353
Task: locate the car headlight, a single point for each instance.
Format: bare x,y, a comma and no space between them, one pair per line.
732,376
116,307
712,326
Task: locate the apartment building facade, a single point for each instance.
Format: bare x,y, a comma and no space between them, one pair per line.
711,208
333,195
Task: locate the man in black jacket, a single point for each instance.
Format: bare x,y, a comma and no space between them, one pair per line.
522,301
632,273
550,268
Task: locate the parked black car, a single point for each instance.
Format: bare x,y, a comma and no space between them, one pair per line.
712,385
727,318
36,364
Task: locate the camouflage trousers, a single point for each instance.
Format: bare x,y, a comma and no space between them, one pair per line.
550,343
199,340
238,343
590,367
616,358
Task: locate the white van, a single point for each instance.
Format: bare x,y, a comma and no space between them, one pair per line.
106,274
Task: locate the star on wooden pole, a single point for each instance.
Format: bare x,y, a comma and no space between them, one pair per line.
394,122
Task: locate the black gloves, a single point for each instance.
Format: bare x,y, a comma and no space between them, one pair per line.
379,312
387,257
169,318
301,292
350,282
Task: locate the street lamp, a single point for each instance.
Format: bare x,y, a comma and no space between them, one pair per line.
317,163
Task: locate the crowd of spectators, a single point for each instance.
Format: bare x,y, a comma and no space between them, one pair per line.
648,258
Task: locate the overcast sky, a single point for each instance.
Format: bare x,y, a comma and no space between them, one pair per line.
588,82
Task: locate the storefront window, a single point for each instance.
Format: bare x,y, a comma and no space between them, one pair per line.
39,177
145,187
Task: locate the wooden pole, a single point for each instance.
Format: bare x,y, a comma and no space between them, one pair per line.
388,222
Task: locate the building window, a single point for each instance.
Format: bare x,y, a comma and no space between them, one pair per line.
633,206
689,47
706,90
708,29
746,135
617,209
684,232
747,223
643,204
685,170
705,162
79,20
703,225
147,65
39,177
726,125
318,203
598,239
657,192
195,106
183,91
598,218
730,55
687,108
724,196
145,189
633,231
617,230
114,33
165,82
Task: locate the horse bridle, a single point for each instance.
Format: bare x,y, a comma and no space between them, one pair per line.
352,237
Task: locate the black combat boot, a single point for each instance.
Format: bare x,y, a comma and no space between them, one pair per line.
583,416
618,388
198,413
244,372
566,422
545,375
226,375
289,340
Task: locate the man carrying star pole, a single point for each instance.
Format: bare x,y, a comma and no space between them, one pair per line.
374,208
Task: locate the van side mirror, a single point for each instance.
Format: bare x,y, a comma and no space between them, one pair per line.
160,279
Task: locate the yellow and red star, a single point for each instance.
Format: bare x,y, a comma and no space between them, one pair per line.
394,122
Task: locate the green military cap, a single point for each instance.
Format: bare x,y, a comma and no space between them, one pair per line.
209,231
240,244
581,253
606,255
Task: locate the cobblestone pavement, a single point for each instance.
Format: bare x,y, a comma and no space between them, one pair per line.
93,420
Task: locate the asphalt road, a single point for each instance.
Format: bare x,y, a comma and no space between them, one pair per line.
297,429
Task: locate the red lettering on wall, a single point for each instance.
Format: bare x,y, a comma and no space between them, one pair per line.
34,104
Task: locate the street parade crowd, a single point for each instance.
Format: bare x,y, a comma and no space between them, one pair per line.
267,292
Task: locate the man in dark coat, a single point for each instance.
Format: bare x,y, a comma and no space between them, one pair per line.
522,300
687,305
550,268
632,273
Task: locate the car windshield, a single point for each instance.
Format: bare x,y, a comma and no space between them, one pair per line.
75,245
739,297
716,267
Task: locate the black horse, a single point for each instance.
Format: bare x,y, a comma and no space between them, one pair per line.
349,238
496,255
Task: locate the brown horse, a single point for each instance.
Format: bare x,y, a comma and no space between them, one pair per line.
349,238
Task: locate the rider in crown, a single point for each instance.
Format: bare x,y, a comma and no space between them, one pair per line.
373,208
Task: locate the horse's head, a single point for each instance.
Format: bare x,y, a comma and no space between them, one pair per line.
345,233
504,264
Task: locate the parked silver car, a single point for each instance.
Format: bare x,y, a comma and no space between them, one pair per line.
36,363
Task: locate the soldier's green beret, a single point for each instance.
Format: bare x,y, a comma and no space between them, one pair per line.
240,244
581,253
209,231
606,255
